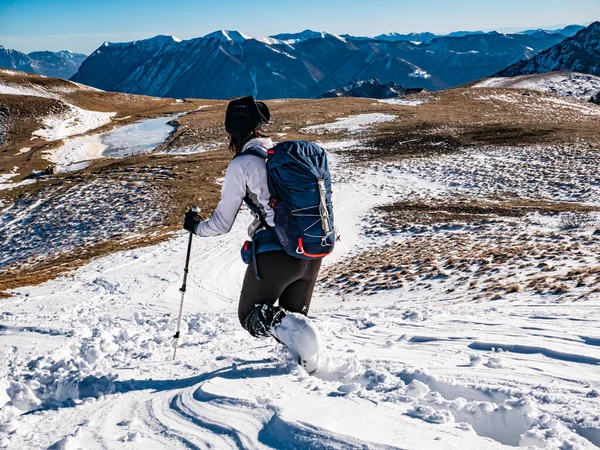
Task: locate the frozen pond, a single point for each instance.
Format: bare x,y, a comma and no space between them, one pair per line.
136,138
129,140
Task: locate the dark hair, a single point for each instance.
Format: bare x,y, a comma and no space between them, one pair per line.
237,140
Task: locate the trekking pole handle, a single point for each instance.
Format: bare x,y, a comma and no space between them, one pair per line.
194,209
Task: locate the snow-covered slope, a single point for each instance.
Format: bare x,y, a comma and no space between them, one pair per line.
566,84
67,119
425,363
411,37
579,53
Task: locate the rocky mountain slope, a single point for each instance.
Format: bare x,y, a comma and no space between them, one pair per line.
371,88
580,53
63,64
225,64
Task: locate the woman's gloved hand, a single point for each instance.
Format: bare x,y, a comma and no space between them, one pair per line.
191,219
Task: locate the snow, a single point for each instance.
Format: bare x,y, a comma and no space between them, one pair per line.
399,101
188,150
228,36
24,150
86,358
7,186
282,53
565,84
568,107
352,124
419,73
6,182
295,38
301,337
73,121
6,177
74,150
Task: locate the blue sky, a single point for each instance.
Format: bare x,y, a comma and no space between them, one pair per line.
82,25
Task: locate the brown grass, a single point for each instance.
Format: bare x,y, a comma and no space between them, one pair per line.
452,119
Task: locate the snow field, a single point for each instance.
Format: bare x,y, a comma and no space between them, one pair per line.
73,121
352,124
568,108
188,150
577,85
413,366
397,101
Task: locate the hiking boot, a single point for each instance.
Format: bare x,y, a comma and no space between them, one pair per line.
263,319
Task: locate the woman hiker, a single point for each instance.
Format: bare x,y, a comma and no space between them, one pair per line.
274,274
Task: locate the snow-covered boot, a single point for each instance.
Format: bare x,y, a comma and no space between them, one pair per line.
295,331
299,334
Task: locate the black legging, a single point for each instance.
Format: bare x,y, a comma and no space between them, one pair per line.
283,277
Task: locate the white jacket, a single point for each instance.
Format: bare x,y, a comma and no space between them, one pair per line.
246,175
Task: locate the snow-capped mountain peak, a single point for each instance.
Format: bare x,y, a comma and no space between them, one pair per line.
228,36
156,41
294,38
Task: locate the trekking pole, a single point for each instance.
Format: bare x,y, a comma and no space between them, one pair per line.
195,211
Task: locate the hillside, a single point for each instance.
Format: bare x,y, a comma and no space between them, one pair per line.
459,310
565,84
579,53
225,64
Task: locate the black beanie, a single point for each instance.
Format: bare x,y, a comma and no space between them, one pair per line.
245,115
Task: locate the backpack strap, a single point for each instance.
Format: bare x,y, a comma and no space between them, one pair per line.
257,152
260,153
254,151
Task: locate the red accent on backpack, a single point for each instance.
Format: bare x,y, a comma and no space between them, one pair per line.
310,255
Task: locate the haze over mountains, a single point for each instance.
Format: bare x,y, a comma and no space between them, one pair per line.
426,36
61,64
225,64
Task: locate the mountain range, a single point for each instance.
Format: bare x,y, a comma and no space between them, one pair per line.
63,64
579,53
428,37
226,64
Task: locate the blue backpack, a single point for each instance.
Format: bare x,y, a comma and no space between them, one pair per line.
300,195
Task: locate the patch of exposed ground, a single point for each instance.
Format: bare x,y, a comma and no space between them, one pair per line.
461,119
475,261
406,214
